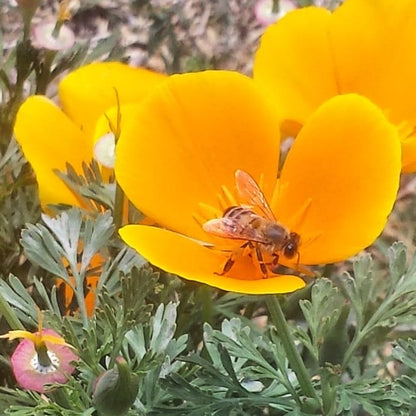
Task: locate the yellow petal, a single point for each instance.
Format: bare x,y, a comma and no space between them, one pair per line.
48,140
346,161
112,120
375,53
88,91
295,64
186,258
11,335
53,339
365,47
188,139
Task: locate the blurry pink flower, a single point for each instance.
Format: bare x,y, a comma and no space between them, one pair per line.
44,36
41,358
263,10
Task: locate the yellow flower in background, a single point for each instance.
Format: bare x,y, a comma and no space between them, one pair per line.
364,47
51,136
177,157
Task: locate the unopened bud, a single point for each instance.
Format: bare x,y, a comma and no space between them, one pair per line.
116,390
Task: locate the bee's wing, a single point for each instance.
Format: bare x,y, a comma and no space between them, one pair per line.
230,228
250,192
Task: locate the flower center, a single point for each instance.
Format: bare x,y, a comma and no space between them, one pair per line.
45,361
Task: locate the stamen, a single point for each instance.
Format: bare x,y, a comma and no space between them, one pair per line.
201,220
275,195
229,197
405,130
299,216
222,202
208,212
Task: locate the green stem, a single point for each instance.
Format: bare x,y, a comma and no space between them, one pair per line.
118,208
329,403
60,398
80,295
9,315
45,75
205,296
276,6
293,356
362,332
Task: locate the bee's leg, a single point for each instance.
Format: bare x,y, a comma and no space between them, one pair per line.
227,266
275,261
262,264
231,260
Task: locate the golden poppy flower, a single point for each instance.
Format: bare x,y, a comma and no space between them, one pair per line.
51,137
364,47
176,160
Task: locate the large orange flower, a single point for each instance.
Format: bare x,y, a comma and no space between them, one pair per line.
51,137
364,47
177,157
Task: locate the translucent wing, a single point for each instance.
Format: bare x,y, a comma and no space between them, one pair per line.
250,192
231,228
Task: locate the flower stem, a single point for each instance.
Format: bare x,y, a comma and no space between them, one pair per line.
295,360
205,297
118,211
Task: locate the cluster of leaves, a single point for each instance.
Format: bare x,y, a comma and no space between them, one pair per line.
350,332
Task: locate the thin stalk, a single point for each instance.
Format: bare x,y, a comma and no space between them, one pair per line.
45,75
205,296
329,402
295,360
80,295
118,208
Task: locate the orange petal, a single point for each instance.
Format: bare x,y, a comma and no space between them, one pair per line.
188,139
48,140
375,52
88,91
295,64
364,47
182,256
346,160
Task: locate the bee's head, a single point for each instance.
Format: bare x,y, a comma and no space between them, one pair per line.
292,245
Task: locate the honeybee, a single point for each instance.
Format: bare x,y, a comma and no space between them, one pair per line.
256,224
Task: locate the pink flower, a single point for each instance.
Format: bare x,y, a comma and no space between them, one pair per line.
265,15
41,358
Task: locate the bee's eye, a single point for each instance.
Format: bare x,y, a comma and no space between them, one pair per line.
290,250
